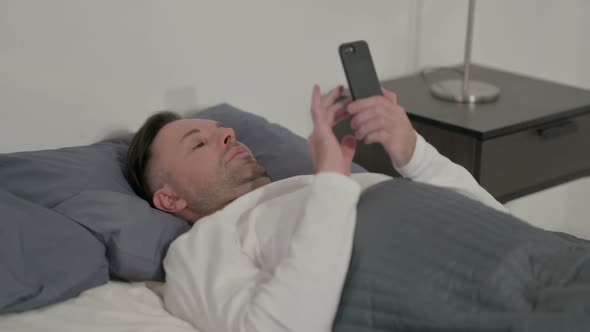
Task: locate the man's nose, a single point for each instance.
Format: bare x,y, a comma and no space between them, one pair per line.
228,135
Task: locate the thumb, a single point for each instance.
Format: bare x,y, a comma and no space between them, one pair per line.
348,147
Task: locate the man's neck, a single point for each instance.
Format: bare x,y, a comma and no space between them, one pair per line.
192,216
247,187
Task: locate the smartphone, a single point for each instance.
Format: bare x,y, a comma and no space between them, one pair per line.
361,76
359,69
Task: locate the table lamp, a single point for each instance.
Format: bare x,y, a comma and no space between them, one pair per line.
465,90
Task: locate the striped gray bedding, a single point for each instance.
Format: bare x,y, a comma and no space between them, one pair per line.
429,259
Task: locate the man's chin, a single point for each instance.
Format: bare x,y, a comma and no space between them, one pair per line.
260,181
258,178
250,184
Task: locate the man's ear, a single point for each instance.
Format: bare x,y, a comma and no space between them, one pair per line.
166,200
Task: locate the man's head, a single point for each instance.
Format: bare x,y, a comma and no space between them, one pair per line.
190,167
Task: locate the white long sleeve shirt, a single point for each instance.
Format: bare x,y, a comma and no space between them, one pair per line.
276,258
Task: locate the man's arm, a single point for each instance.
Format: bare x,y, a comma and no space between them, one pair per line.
207,271
429,166
380,119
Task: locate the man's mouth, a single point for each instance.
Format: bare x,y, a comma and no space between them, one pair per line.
235,153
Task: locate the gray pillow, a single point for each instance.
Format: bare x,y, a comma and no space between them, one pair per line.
49,177
87,184
282,152
135,235
44,257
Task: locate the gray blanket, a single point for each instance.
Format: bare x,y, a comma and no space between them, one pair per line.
428,259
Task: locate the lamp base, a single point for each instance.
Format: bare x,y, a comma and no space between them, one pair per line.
452,90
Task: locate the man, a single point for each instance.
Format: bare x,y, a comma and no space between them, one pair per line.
181,166
265,256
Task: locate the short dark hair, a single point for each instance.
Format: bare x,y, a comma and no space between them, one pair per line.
139,154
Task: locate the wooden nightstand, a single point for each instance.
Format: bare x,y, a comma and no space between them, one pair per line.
535,136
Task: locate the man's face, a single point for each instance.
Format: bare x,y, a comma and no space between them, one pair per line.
201,167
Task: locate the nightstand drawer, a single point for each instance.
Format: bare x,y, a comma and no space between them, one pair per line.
535,157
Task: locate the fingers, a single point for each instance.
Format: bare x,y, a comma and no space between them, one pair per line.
388,100
340,116
367,103
392,97
332,96
323,108
315,103
339,106
377,136
361,104
374,124
339,110
315,97
360,118
348,148
371,120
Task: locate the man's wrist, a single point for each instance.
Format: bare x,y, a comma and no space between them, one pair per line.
416,162
403,158
331,170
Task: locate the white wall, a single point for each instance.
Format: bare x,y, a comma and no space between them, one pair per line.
71,71
551,40
541,38
103,65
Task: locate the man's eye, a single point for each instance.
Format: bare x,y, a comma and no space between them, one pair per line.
200,145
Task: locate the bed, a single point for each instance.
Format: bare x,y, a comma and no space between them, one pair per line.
80,251
113,307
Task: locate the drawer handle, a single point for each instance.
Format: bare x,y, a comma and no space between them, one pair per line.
558,129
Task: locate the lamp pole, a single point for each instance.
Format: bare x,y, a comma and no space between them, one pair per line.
466,91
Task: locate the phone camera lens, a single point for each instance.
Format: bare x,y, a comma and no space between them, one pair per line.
349,49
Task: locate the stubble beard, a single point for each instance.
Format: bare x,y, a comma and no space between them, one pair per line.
245,178
232,184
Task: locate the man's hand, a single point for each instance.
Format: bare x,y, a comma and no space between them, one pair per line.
380,119
327,154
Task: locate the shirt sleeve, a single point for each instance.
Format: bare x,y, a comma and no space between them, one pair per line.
301,294
429,166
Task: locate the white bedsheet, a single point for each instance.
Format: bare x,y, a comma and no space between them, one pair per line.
114,307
